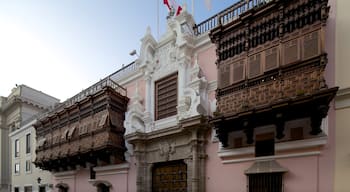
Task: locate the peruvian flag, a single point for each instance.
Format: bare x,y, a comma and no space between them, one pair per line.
166,2
178,10
173,6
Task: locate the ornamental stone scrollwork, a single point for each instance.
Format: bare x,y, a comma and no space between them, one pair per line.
148,47
134,116
195,99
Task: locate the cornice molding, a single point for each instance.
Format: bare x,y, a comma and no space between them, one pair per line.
112,169
342,99
235,155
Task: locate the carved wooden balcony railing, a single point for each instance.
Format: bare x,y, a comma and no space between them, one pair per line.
88,131
227,15
270,59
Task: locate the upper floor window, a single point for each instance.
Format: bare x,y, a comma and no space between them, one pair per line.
102,188
28,143
265,145
16,168
28,166
17,148
166,97
28,189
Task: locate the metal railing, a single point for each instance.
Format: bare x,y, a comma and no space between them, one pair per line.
229,14
125,70
106,82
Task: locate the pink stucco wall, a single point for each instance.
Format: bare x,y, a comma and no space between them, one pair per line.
121,182
223,178
206,60
77,182
306,174
81,182
131,89
132,175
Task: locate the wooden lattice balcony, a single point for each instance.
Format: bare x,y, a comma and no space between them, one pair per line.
88,128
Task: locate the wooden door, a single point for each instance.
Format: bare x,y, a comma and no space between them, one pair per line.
169,177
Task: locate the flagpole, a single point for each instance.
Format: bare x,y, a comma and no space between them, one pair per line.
157,19
193,8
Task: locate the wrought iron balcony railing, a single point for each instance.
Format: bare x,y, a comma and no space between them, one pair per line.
229,14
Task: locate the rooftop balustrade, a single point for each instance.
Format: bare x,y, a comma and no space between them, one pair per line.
229,14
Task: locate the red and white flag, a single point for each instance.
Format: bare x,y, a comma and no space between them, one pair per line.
173,7
166,2
178,10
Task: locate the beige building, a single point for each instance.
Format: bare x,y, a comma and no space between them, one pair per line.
24,175
342,102
15,110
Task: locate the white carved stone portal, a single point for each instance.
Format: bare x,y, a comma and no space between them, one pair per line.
176,138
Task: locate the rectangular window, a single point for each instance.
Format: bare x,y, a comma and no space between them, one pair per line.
265,182
166,97
17,148
28,165
16,168
42,189
28,143
264,148
265,144
16,189
28,189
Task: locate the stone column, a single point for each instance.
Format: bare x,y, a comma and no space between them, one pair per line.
141,165
148,115
195,162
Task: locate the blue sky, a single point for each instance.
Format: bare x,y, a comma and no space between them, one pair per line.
63,46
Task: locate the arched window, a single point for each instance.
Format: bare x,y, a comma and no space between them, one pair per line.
101,187
62,187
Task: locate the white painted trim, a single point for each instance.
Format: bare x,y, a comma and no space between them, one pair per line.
166,122
212,85
342,99
304,154
23,128
112,169
64,175
131,78
299,144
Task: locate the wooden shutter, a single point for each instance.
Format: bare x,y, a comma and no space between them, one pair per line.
311,45
271,59
166,97
224,75
254,65
238,71
291,51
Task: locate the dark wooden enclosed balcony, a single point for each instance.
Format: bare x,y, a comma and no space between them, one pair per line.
271,61
84,130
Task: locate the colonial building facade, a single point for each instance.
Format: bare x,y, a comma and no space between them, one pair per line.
342,100
239,102
24,175
17,110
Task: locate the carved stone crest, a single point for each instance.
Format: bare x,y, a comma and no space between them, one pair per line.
166,149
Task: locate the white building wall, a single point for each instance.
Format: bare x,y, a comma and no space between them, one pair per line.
27,178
